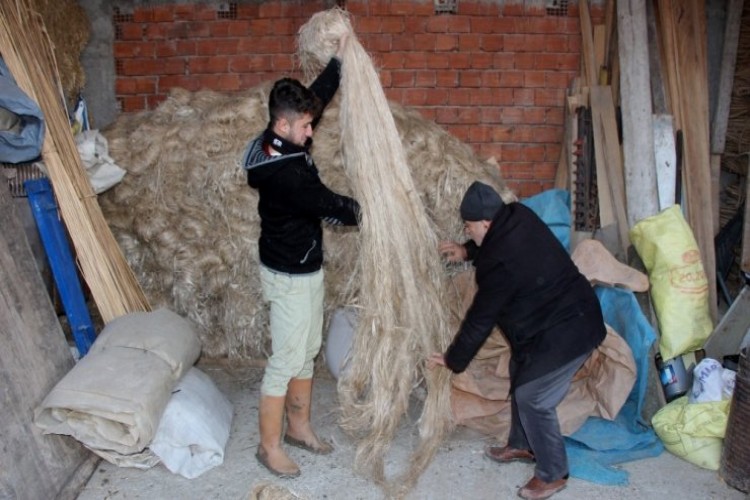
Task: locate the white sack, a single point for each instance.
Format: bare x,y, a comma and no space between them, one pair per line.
194,428
102,171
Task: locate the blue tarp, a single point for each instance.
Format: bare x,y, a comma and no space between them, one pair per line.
24,142
600,444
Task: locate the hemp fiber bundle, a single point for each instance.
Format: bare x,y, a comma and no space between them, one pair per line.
27,52
401,278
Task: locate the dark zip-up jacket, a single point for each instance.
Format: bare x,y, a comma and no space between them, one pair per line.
292,198
530,288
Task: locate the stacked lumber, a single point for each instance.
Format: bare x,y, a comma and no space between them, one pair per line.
648,60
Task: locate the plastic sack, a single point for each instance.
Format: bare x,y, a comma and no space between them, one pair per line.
194,428
711,382
679,286
693,431
101,169
21,122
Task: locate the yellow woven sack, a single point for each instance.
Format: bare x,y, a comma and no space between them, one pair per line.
679,287
693,431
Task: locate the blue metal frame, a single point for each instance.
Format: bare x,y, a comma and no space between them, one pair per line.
60,258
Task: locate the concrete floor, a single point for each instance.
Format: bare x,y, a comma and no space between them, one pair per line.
459,470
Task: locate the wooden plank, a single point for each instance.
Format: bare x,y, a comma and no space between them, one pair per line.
609,160
658,95
666,160
635,103
726,79
33,358
684,33
745,257
588,56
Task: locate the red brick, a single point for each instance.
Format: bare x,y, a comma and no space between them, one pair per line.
542,170
534,115
493,42
478,134
558,79
446,42
411,8
436,97
503,97
512,79
153,101
141,16
385,78
212,64
470,42
461,132
132,103
184,12
414,97
379,43
552,152
513,9
509,25
525,43
482,25
392,25
369,25
260,27
125,86
266,45
482,97
459,60
166,48
491,79
482,60
491,115
131,31
459,24
162,14
395,95
417,60
501,134
185,47
512,116
534,153
247,11
415,24
145,85
437,24
549,97
424,42
402,78
403,43
554,116
205,13
133,49
425,79
503,61
525,61
460,97
429,113
470,79
250,80
392,60
283,64
447,115
446,78
534,79
437,61
216,46
270,9
523,97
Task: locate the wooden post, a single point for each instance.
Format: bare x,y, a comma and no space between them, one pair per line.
635,98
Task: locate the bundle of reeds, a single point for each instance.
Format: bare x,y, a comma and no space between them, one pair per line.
401,280
26,50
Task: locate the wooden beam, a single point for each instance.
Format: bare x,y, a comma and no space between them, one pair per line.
635,101
609,161
684,33
726,79
588,56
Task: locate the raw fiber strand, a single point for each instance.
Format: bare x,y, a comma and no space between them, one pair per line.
401,280
26,50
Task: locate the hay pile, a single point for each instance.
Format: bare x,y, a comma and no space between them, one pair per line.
188,223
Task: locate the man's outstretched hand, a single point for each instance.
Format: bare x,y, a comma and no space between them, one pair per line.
452,251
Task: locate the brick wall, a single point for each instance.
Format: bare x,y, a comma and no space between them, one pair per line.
494,74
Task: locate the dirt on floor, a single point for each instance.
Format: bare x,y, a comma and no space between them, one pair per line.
458,471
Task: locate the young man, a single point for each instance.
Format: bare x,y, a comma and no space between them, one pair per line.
529,287
292,203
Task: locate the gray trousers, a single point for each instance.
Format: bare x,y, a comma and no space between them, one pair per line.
534,424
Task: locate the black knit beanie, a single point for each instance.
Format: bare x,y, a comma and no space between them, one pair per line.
481,202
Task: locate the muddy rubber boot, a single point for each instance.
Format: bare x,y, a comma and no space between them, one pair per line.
270,453
299,432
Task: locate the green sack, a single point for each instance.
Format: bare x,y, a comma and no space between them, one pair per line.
679,287
693,431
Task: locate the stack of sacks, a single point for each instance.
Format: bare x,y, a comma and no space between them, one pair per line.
113,399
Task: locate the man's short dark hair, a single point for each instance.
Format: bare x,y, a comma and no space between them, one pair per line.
290,96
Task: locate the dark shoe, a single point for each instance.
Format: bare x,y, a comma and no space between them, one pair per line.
324,448
536,489
506,454
262,456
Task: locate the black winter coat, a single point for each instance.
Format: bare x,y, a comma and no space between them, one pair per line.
292,198
530,288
